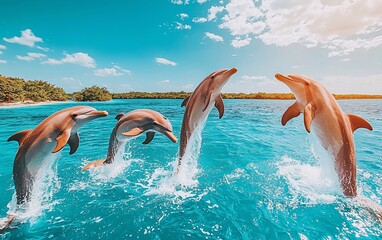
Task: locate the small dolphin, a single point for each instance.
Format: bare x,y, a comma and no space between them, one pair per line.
333,127
200,104
49,137
130,126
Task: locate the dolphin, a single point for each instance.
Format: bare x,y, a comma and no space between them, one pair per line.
49,137
200,103
130,126
334,128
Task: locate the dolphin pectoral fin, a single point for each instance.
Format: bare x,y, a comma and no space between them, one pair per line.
292,112
308,116
93,164
358,122
220,105
119,116
133,132
20,136
74,142
207,101
149,137
185,101
62,140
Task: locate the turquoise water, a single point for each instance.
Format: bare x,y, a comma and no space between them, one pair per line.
253,179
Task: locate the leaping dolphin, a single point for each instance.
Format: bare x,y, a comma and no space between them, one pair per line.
49,137
333,127
130,126
200,104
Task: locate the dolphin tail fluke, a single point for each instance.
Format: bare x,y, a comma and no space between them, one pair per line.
93,164
5,223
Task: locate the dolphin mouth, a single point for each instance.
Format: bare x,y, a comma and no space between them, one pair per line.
98,113
230,72
171,136
284,78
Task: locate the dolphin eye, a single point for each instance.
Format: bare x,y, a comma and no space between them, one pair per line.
74,115
164,118
213,77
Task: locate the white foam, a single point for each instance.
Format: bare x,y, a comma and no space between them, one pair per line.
179,180
314,182
46,184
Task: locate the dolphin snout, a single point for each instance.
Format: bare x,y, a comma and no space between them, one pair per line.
171,136
231,72
100,113
283,78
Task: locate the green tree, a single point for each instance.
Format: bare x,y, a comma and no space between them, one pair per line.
93,93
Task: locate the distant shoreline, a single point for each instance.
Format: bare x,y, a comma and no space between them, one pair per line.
27,103
182,95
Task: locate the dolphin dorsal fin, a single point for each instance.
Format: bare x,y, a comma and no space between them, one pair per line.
74,142
119,116
292,112
62,140
309,114
358,122
133,132
207,101
149,137
185,101
220,105
20,136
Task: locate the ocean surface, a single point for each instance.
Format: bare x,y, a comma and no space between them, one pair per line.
248,177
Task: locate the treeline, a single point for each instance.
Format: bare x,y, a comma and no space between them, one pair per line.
93,93
182,95
18,89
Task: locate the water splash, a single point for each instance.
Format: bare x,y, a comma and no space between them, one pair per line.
180,180
45,186
311,183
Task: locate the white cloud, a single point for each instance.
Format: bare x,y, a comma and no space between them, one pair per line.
213,11
199,20
188,87
214,37
202,1
27,38
238,42
80,58
31,56
344,84
165,81
42,48
340,26
24,58
1,52
165,61
107,72
182,26
36,55
3,47
123,70
180,2
183,15
246,77
3,61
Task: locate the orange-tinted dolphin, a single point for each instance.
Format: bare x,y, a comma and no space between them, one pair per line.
130,126
333,127
49,137
200,104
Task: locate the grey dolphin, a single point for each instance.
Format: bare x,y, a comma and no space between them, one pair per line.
200,103
130,126
49,137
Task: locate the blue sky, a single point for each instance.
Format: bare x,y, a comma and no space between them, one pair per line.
171,45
